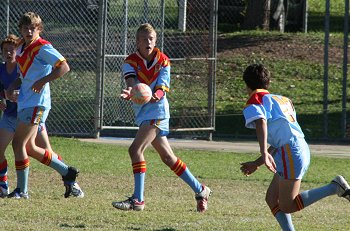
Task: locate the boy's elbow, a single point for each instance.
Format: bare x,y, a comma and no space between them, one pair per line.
68,68
65,67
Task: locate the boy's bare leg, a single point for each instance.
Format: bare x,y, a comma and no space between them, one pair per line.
167,155
25,135
272,199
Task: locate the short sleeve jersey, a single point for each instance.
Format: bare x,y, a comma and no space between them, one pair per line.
157,76
6,79
279,113
35,62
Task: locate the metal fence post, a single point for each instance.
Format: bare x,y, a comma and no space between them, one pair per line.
325,75
345,67
212,65
99,68
7,17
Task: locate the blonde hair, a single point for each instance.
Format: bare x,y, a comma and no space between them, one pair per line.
31,18
145,28
10,39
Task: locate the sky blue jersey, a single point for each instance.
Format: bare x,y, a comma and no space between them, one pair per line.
156,76
279,113
36,61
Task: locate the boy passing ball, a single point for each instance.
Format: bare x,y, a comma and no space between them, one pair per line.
274,118
150,66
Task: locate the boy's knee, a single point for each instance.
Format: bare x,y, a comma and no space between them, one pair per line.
134,152
131,150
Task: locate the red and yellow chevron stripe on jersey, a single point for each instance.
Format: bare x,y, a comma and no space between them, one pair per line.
26,58
148,75
256,97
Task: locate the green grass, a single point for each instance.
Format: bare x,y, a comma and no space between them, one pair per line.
237,202
300,79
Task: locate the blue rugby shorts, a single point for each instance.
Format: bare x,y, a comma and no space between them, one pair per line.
162,124
293,159
33,115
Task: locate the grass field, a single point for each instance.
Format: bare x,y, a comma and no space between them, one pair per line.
296,61
236,204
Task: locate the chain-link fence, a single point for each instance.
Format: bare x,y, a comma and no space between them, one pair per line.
96,36
289,15
323,58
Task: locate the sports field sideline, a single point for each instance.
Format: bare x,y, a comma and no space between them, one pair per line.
334,150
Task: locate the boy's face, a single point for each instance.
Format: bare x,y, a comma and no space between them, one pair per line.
9,52
145,44
29,32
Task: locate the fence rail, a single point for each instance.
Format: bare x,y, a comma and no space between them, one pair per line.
96,35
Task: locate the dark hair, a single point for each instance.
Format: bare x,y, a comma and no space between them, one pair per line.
10,39
256,76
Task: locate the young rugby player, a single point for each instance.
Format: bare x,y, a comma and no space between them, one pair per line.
274,118
150,66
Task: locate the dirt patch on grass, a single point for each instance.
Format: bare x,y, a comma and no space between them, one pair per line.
285,46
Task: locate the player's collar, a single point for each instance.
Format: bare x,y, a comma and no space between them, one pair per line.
259,91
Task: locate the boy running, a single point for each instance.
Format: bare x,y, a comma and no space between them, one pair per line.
274,118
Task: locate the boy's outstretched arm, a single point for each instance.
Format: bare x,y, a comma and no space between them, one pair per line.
130,82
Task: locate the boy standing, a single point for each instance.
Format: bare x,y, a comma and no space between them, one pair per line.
150,66
274,118
8,73
38,63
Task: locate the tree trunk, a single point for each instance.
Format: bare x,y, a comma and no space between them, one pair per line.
257,15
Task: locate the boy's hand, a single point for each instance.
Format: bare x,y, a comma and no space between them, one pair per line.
154,99
269,162
37,86
249,167
158,95
126,93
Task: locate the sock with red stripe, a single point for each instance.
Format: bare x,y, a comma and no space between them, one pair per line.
55,162
22,170
309,197
139,170
185,174
283,219
3,174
